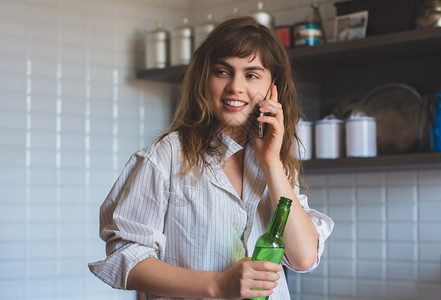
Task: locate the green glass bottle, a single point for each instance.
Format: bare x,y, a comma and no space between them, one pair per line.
270,245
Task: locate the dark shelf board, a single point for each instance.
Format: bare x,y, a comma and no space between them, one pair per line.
374,49
173,74
399,162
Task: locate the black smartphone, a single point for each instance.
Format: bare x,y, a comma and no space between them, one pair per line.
262,125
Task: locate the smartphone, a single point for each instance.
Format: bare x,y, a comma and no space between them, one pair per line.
262,125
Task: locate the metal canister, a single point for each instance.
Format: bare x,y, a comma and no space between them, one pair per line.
263,17
202,30
157,48
181,44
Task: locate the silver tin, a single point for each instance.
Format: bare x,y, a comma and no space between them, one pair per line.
202,30
157,48
181,45
263,17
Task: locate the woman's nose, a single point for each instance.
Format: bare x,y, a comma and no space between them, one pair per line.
236,85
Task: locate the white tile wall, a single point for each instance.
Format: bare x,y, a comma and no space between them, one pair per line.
71,113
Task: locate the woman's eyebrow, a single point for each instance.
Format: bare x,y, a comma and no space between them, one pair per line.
250,68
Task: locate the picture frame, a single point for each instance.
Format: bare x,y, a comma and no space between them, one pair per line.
351,26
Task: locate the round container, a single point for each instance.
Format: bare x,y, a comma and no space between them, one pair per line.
361,136
181,45
305,132
262,16
157,48
306,34
329,139
202,30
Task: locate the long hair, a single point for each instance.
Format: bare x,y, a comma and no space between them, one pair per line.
194,120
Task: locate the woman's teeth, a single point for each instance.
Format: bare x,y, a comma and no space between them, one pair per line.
234,103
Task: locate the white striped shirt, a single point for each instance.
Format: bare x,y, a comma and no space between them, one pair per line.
196,223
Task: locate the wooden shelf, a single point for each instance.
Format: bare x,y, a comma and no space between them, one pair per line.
411,161
398,45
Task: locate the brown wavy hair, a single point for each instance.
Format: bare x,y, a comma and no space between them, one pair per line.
194,120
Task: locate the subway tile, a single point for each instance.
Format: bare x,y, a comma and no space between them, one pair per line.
12,83
72,141
402,252
429,177
72,213
13,212
402,212
12,231
44,158
370,196
342,287
430,212
401,194
44,85
430,232
317,196
43,176
73,88
13,156
12,270
12,101
342,213
429,273
40,232
370,179
73,70
73,123
12,193
430,252
337,180
42,48
100,109
101,160
74,37
12,175
13,45
42,268
13,9
101,143
401,178
14,251
371,213
74,54
102,91
72,227
402,232
41,286
371,270
42,213
72,249
42,250
341,196
429,193
14,137
371,231
43,122
402,271
72,159
72,106
74,284
12,288
344,231
371,251
341,249
342,269
316,286
12,64
43,139
71,177
42,194
44,67
371,289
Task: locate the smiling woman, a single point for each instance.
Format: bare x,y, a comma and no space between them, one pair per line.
185,213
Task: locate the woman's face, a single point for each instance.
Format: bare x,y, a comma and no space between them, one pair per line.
235,86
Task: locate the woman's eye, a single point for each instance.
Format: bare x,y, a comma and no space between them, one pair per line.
252,76
221,72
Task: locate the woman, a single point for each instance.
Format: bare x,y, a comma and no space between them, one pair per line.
185,214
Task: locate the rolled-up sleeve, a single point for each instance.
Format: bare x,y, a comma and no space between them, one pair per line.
132,220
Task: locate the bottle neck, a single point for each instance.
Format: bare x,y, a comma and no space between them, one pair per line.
280,217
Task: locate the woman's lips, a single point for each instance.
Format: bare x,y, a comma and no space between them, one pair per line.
233,104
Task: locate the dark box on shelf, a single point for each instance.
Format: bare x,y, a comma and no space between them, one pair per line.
384,16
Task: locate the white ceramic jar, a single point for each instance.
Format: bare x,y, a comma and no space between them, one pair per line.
305,133
361,136
329,138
